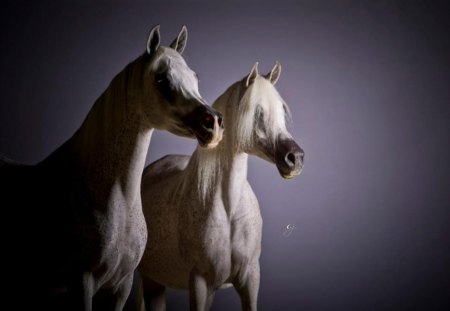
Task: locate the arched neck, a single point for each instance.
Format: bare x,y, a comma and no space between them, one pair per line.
110,147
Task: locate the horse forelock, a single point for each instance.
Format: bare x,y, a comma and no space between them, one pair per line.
261,104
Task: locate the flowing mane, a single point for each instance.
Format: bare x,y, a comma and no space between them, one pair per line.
243,108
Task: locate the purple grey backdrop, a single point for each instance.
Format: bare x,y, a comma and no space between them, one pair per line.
369,88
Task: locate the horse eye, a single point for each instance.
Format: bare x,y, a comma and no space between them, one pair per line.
259,117
161,78
163,85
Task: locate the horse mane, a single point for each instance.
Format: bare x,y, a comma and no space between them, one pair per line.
260,103
242,108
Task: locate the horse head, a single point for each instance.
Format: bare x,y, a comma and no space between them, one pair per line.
171,100
260,127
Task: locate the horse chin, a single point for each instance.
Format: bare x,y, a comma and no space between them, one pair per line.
207,143
291,174
211,145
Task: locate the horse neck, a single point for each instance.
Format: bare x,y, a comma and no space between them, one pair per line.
233,180
112,143
226,179
233,163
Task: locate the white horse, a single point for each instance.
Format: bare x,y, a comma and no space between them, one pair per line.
203,219
77,215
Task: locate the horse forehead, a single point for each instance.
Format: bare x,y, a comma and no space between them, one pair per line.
274,98
179,68
171,60
264,95
268,100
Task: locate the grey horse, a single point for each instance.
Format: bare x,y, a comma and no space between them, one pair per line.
203,218
77,221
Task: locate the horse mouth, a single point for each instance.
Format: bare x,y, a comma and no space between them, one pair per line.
291,175
206,125
289,158
207,139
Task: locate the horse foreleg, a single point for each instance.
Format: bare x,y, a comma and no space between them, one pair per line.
247,287
117,296
154,295
198,291
209,301
81,292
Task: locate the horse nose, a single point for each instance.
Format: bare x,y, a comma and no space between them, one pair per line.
210,117
294,159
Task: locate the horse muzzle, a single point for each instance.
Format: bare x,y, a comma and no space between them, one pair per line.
289,158
207,126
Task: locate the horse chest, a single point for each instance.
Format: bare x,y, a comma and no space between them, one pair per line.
112,242
206,243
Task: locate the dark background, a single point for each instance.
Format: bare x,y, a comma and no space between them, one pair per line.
369,88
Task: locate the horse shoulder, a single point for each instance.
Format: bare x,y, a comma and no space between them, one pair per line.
249,200
246,229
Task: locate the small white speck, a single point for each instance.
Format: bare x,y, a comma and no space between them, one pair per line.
289,229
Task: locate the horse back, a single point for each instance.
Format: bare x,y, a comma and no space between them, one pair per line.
165,166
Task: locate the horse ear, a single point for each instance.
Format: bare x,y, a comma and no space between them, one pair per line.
252,75
274,74
153,40
180,42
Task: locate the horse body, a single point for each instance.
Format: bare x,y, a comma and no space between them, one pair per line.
202,215
98,174
82,225
184,234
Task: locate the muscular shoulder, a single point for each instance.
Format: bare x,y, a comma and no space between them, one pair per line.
248,196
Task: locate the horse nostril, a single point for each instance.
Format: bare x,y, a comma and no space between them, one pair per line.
208,121
290,159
